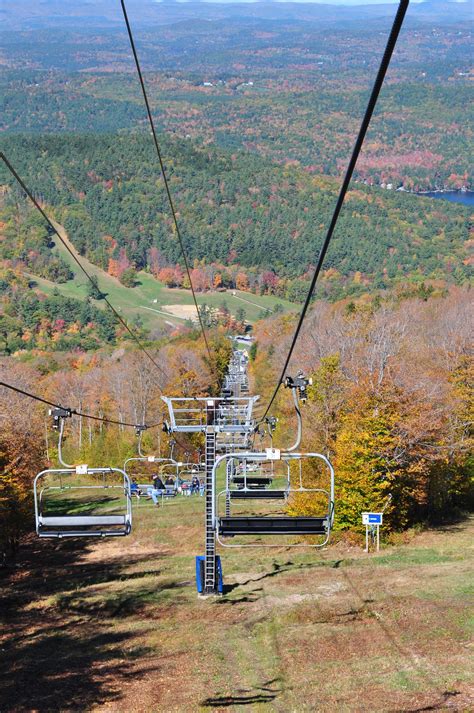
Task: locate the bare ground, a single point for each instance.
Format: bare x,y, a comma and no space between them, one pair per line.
117,625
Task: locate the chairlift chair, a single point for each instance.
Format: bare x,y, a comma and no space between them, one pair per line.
146,459
231,526
258,485
70,525
92,525
190,473
251,482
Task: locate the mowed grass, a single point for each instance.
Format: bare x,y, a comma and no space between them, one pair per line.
148,298
117,624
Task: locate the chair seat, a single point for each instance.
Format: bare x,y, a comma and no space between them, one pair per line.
258,494
230,526
57,526
252,480
82,520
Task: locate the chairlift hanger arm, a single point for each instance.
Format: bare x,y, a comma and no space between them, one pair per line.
297,442
298,386
60,444
139,431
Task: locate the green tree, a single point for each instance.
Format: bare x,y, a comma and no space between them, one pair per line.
128,278
93,289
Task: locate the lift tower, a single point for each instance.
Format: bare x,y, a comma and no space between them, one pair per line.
227,423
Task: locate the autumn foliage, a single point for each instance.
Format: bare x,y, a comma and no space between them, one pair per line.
123,385
391,403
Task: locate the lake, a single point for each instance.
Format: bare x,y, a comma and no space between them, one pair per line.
465,197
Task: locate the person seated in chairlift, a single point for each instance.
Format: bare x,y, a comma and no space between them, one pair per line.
158,483
169,482
134,489
195,484
157,490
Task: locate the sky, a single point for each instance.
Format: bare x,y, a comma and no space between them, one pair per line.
318,2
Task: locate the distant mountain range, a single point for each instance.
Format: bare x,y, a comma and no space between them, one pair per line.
89,14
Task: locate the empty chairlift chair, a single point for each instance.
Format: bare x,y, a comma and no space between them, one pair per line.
231,526
73,515
256,484
102,524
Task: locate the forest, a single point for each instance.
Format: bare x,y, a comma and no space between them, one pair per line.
286,83
391,403
391,400
235,209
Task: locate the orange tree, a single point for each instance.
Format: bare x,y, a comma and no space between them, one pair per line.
21,456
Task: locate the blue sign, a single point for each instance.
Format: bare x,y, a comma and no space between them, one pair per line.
375,518
372,518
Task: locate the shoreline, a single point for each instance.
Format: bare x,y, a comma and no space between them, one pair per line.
464,191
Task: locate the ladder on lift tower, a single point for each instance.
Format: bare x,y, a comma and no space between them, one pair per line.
210,574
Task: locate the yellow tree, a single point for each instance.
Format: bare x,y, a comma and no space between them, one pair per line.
363,459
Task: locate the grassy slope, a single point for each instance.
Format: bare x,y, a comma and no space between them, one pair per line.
117,625
132,301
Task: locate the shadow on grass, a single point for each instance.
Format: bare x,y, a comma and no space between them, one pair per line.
442,704
81,506
246,697
117,604
60,647
252,596
453,521
67,668
277,569
55,566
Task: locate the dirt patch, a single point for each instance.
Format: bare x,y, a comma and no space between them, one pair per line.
323,590
182,311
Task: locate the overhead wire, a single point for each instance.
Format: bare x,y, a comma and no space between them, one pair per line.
391,42
77,261
75,412
164,175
